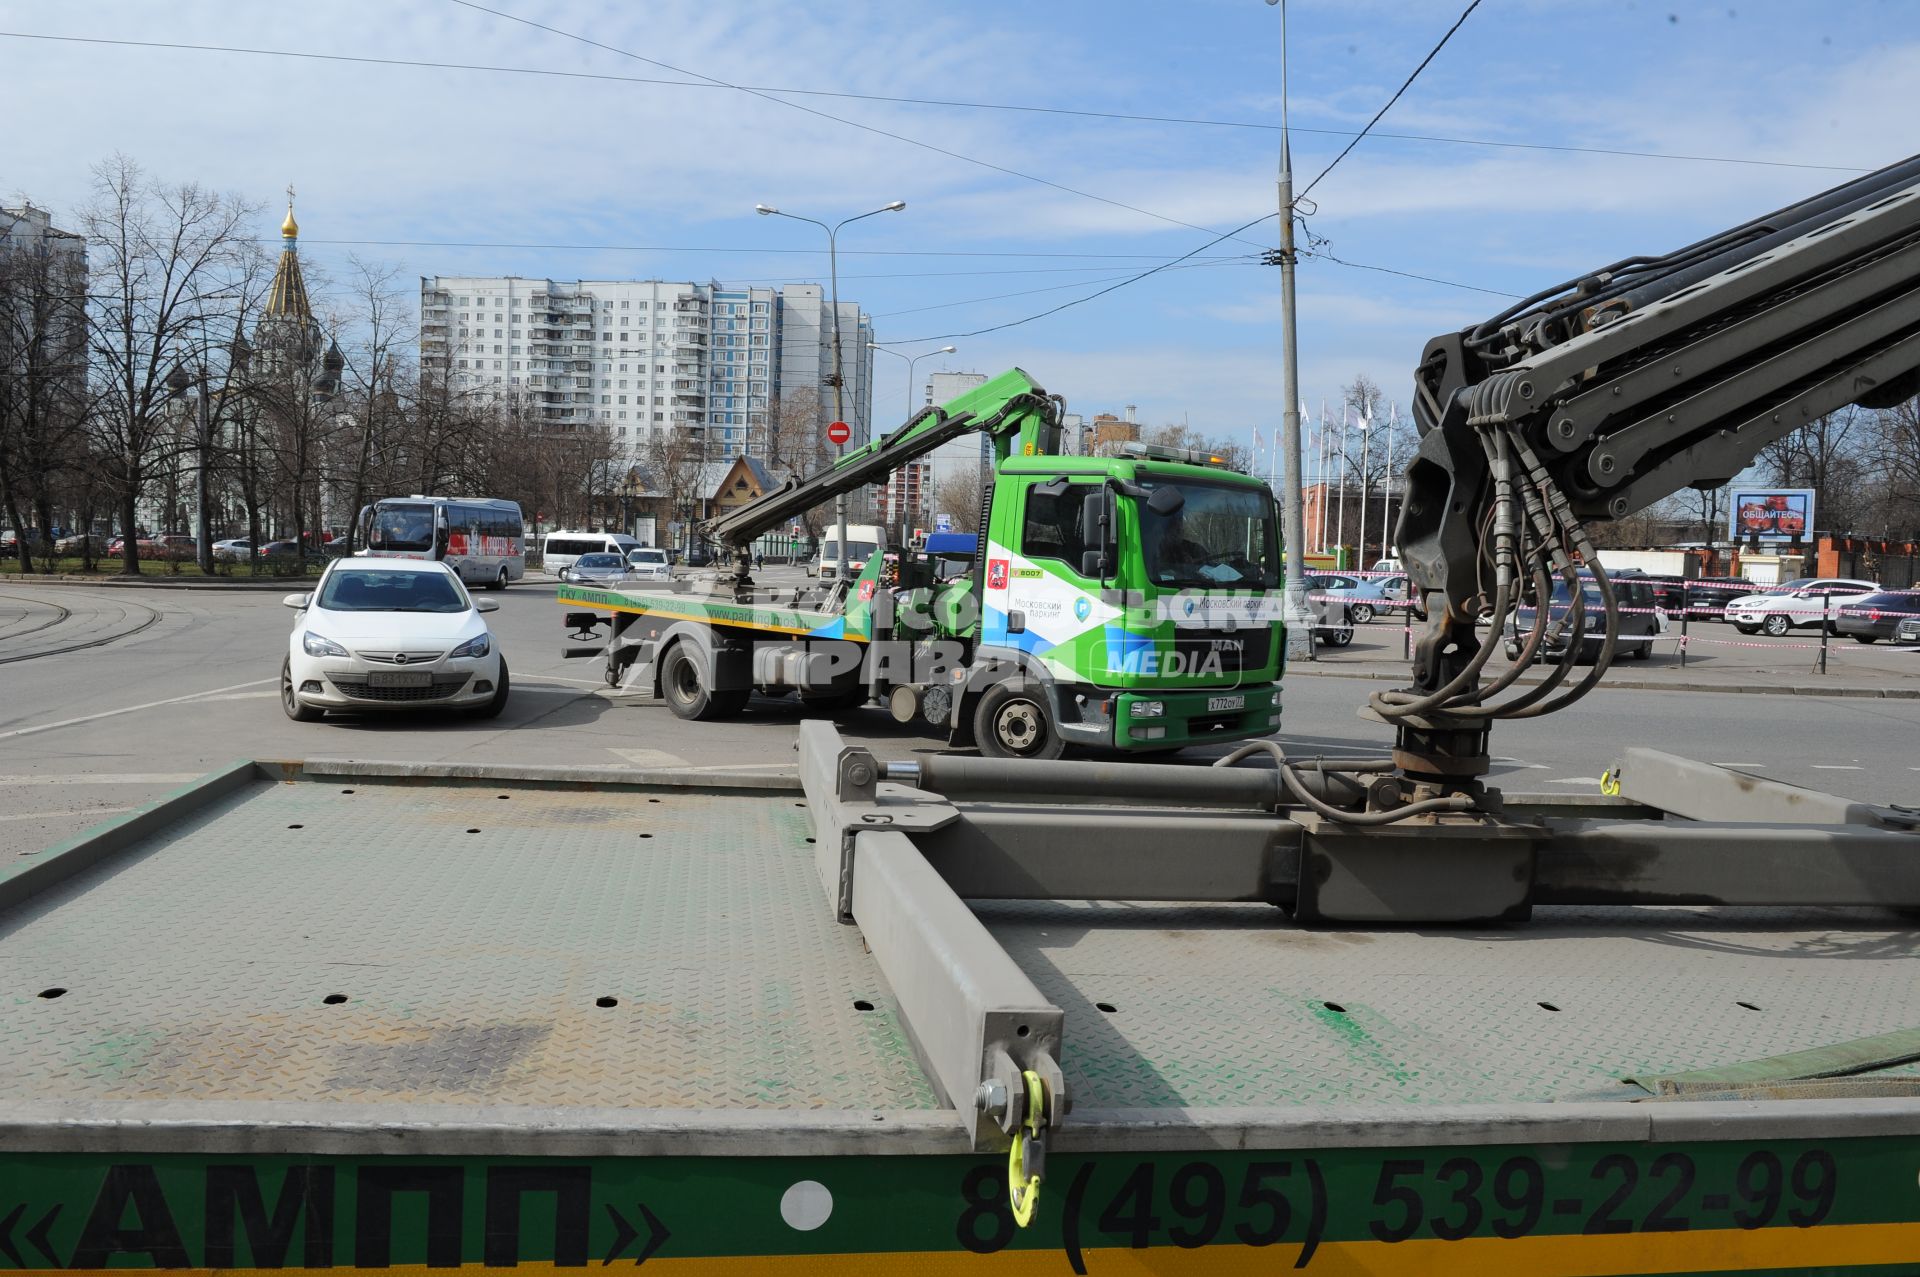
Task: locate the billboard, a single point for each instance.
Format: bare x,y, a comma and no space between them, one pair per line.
1770,514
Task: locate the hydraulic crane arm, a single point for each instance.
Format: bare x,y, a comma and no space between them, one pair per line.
1010,409
1599,397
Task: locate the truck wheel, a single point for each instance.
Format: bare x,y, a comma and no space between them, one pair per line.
1362,613
1777,625
1013,721
298,710
687,693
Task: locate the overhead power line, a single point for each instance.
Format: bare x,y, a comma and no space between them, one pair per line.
668,248
1348,148
953,103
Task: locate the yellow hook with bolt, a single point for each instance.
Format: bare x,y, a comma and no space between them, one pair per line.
1027,1159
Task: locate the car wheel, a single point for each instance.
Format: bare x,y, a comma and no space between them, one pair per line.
500,689
1340,637
687,693
1362,613
499,582
1777,625
1013,721
296,709
1866,638
1643,651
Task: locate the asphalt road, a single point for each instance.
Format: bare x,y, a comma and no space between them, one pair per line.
110,698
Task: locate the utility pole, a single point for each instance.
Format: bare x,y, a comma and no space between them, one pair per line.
1294,613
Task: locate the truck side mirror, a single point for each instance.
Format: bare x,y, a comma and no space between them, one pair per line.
1096,532
1166,501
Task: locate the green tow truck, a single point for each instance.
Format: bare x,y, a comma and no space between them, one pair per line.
1128,602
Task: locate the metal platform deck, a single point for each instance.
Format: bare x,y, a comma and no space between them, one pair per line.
372,940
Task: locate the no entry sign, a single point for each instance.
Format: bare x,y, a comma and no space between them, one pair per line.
839,432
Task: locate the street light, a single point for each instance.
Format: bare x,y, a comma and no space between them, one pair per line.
839,379
926,496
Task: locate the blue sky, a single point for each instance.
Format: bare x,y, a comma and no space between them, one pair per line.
438,157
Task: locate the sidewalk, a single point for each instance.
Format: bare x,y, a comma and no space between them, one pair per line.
1719,659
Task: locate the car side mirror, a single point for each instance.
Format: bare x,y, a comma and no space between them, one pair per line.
298,602
486,605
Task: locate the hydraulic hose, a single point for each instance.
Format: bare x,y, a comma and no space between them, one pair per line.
1297,785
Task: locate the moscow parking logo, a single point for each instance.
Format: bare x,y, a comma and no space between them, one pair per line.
996,574
1082,608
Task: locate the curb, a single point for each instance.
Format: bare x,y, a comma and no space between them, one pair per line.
1645,685
282,584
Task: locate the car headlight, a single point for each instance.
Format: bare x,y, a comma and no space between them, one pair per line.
316,645
473,647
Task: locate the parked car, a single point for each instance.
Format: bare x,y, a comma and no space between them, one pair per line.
1332,621
232,550
1708,596
383,634
144,548
1908,631
279,550
176,546
595,569
1363,595
79,543
649,564
1878,616
1809,600
1639,623
1402,594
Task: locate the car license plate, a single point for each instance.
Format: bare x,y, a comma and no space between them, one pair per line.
400,678
1217,703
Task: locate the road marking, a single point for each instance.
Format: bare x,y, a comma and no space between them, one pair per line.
1740,765
132,709
1575,780
109,778
650,757
1837,767
585,682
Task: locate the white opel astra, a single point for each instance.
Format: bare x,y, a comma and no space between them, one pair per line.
390,634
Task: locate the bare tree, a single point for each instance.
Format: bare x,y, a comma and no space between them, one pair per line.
1232,452
43,348
375,361
958,497
163,258
675,462
1827,455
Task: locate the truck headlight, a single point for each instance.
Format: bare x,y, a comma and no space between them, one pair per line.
316,645
1147,709
473,647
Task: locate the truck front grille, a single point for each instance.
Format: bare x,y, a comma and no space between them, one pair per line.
1238,649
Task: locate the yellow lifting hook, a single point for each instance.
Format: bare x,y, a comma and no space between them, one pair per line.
1027,1159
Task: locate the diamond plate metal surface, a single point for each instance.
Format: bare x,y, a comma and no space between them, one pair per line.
468,939
1229,1005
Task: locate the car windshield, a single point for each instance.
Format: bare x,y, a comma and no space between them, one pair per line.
374,591
1220,536
645,556
401,526
598,561
1799,583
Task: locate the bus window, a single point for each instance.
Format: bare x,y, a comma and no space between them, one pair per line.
402,527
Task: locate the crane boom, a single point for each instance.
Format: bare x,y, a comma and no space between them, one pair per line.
1594,399
1010,407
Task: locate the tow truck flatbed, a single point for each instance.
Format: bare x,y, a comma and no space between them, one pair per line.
362,1015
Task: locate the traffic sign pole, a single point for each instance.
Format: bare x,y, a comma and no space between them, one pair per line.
838,433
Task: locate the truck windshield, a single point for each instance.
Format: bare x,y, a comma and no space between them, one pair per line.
401,526
1219,537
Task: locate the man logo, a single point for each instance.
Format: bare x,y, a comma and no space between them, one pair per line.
1082,608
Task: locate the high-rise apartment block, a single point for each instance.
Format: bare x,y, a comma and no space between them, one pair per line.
638,357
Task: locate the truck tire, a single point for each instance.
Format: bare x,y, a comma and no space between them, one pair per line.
296,709
1012,720
687,693
1777,625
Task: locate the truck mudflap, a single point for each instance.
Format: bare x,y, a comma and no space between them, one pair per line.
1634,1207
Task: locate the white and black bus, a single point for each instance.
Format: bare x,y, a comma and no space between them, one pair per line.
481,538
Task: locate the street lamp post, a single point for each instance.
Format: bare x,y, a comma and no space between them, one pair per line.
839,376
911,361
